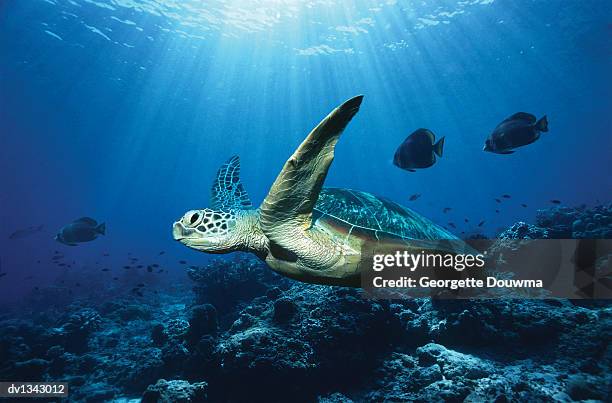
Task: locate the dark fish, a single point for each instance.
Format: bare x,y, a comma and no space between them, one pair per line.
140,285
452,225
516,131
106,254
84,229
25,232
446,209
104,269
480,224
523,204
414,197
162,252
127,267
555,201
466,220
139,266
506,196
497,211
149,269
115,278
154,265
2,274
182,262
418,151
497,200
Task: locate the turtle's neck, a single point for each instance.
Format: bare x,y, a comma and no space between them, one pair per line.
252,238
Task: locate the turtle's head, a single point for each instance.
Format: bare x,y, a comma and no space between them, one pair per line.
208,231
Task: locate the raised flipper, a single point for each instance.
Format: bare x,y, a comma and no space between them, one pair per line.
286,211
227,190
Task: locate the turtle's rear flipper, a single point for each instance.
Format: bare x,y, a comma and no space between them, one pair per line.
288,206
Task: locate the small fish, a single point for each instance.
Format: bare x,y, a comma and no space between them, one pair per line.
466,220
446,209
162,252
140,285
414,197
498,201
516,131
104,269
523,205
25,232
452,225
506,196
154,265
418,151
139,266
149,269
115,278
497,211
3,274
555,201
84,229
480,224
127,267
182,262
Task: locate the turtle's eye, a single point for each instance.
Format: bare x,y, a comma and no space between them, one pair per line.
194,218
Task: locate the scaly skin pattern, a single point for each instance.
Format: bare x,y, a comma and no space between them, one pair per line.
320,255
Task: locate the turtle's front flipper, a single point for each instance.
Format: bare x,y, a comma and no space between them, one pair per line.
287,209
227,190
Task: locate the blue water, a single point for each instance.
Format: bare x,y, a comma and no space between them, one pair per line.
123,109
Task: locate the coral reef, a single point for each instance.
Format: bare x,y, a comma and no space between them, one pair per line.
576,223
178,391
247,334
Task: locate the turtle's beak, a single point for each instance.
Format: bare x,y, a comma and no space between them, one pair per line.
179,232
189,237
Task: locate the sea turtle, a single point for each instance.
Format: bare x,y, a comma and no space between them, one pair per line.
302,230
